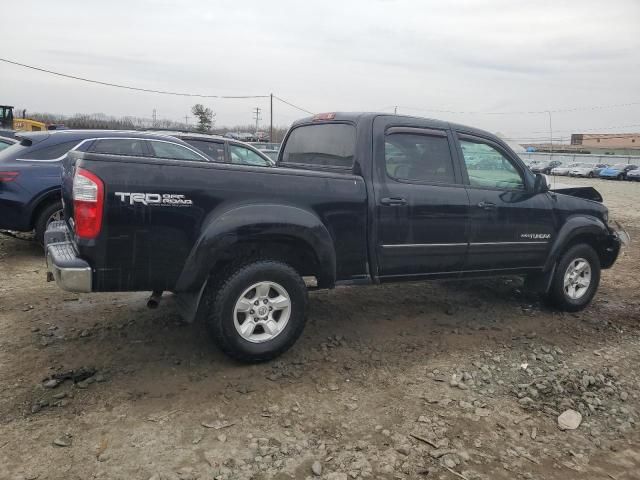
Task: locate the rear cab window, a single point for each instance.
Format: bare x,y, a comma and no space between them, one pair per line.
321,146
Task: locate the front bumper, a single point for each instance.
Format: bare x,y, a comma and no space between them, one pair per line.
615,241
70,272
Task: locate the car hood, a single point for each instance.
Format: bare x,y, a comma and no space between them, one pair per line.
588,193
611,171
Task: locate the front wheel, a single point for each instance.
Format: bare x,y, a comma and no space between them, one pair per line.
258,311
576,278
590,174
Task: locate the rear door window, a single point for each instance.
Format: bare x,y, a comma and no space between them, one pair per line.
120,146
50,152
214,150
330,145
174,151
419,158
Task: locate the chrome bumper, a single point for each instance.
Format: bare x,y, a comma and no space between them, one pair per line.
70,272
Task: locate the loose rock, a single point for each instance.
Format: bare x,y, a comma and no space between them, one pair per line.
569,420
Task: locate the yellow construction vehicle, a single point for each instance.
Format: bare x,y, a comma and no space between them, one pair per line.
8,121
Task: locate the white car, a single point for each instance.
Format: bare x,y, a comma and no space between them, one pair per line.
587,170
564,169
634,175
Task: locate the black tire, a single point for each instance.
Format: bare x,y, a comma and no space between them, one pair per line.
620,177
43,219
590,174
557,294
222,298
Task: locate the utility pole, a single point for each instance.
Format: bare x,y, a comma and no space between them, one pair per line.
257,117
550,136
395,110
271,115
186,121
154,118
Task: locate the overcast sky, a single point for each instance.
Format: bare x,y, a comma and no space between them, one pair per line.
423,56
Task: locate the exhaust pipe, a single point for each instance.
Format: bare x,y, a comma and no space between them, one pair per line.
154,299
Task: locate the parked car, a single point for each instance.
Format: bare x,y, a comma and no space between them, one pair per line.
619,171
564,169
545,166
224,149
634,175
587,170
356,199
30,171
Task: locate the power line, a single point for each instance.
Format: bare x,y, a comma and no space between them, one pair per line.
523,112
292,105
128,87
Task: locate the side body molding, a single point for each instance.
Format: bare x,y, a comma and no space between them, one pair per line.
257,223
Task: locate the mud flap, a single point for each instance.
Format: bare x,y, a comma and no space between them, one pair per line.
188,304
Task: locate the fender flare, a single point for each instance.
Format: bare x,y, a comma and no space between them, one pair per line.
575,226
256,223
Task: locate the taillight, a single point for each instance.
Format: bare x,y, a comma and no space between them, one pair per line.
88,202
8,176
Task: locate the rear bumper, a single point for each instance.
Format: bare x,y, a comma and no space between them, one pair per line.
70,272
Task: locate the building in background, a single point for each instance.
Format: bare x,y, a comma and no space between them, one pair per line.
593,143
607,143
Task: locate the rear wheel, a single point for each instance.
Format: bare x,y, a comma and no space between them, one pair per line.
620,177
48,214
576,278
590,175
257,311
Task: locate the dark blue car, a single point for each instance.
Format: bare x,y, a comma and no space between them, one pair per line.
30,171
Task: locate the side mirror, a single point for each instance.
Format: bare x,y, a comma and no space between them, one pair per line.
541,184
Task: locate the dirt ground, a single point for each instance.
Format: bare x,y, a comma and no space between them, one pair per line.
443,380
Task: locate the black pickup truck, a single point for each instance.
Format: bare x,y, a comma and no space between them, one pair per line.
355,199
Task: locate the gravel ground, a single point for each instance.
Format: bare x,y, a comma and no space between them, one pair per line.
423,380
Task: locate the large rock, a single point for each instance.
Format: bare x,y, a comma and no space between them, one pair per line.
569,420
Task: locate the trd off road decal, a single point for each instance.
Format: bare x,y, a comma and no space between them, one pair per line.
536,236
154,199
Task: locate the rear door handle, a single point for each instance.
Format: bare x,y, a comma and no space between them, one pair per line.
487,205
393,201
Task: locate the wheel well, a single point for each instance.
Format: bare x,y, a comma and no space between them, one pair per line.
43,203
296,253
587,238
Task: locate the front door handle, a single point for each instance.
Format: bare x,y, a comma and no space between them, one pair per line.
393,201
487,205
